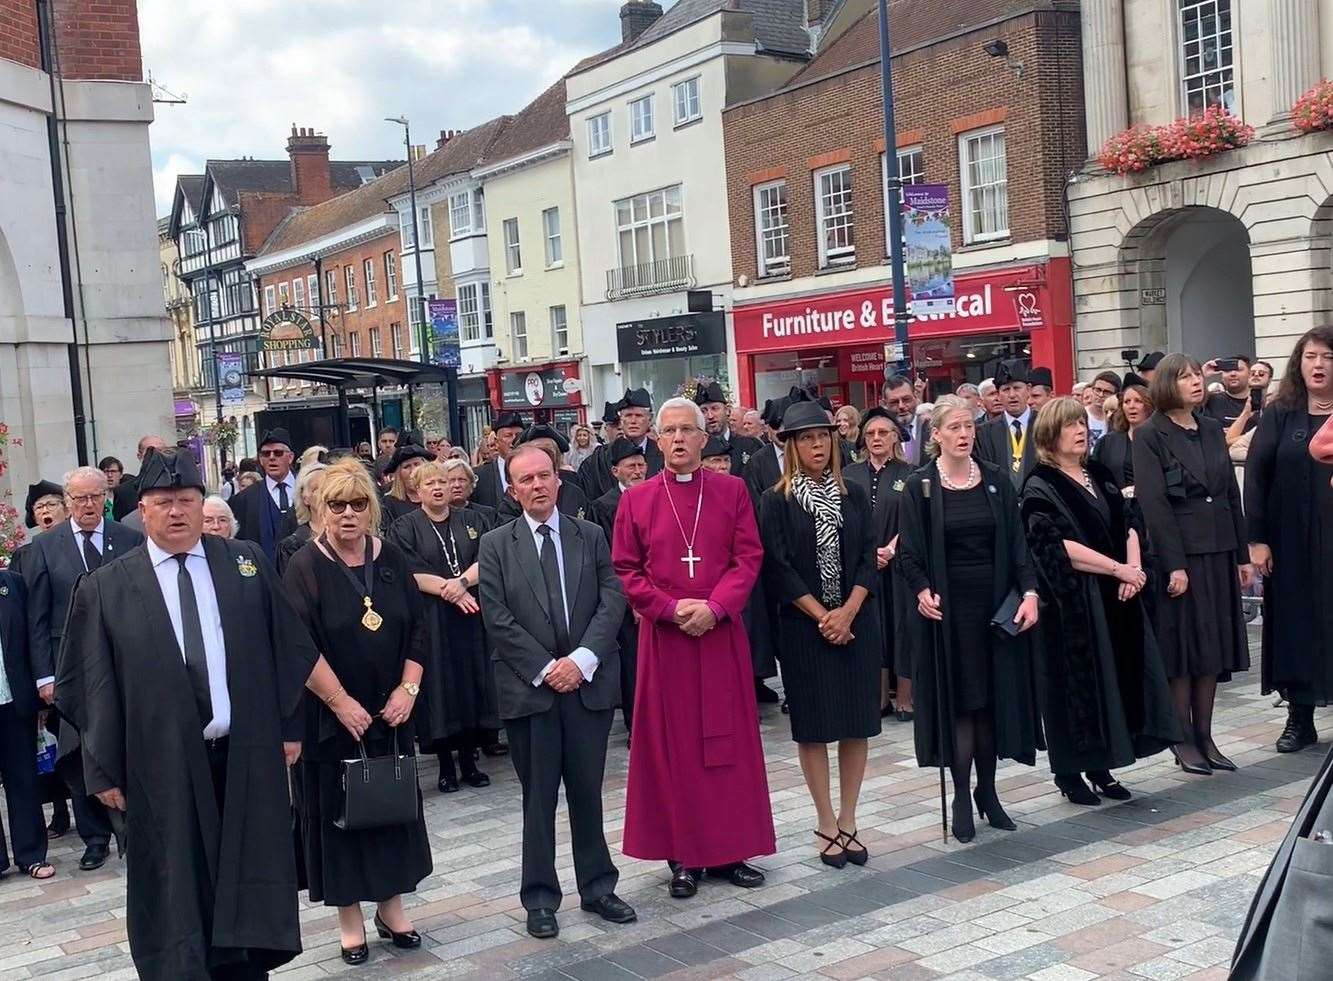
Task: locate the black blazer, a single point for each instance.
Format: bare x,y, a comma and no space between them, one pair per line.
518,623
52,565
791,569
743,449
762,472
1187,489
595,472
604,510
994,446
14,636
1114,452
569,500
488,491
248,506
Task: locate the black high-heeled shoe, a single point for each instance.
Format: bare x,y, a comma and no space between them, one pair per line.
1208,749
1198,769
407,940
858,855
963,827
988,806
1107,785
1071,785
833,861
356,955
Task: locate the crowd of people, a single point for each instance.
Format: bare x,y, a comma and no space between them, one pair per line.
239,682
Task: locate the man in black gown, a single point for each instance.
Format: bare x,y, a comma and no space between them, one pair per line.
492,485
635,412
571,499
183,668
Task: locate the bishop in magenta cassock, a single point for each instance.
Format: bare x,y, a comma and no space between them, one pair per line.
687,551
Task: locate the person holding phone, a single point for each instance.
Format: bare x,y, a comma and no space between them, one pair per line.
1235,398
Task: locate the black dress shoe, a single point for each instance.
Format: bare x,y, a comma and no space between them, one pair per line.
963,827
1298,733
1213,755
989,807
684,883
407,940
94,857
1071,785
857,853
447,785
1198,769
611,908
763,694
542,924
834,859
739,874
356,955
1107,785
476,779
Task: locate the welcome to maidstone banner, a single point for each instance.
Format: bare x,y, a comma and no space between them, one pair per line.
928,250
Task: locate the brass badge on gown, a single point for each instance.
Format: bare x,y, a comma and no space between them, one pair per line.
246,567
745,457
4,590
472,533
898,485
371,620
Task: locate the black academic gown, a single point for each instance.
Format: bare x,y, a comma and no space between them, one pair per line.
761,613
488,492
204,890
892,599
921,551
604,513
742,449
594,475
1105,700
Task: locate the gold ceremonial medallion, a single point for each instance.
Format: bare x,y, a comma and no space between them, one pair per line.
1018,465
246,567
371,620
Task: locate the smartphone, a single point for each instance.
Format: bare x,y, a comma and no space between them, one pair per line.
1256,399
1227,364
921,374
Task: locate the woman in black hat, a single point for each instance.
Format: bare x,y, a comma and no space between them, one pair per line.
402,496
819,568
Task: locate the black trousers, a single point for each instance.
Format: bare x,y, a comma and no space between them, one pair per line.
90,817
18,769
565,743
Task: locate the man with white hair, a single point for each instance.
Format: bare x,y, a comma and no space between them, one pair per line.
970,394
686,548
990,399
52,565
635,412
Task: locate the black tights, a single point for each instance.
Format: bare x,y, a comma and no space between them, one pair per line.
974,743
465,744
1193,698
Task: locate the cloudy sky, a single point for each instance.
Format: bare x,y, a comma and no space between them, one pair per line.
252,68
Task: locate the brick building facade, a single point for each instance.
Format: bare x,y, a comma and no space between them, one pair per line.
91,40
991,82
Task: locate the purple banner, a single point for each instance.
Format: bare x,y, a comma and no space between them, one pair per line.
928,249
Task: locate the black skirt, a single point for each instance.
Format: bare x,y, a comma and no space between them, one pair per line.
969,534
1202,633
832,692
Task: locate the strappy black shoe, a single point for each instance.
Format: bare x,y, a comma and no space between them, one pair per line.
858,855
834,861
1107,785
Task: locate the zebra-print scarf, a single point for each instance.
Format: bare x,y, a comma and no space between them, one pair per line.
823,501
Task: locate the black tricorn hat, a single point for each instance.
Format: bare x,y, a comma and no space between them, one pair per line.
611,414
1041,376
715,447
37,491
507,420
878,412
773,410
542,431
1135,379
712,392
636,398
408,451
622,449
171,470
277,435
1151,360
804,415
1011,371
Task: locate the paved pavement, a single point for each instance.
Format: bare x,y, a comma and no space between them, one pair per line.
1153,888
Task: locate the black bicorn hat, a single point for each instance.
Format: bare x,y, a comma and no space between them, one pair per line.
711,392
408,451
611,414
636,398
878,412
171,470
542,431
804,415
37,491
715,446
1041,376
277,435
1151,360
1011,371
507,420
771,414
1134,379
622,449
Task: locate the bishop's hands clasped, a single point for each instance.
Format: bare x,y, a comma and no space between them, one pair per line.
695,617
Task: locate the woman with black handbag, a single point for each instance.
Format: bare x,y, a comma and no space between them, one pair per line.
964,557
356,596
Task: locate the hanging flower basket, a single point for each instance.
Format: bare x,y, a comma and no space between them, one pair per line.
221,433
12,534
1313,111
1194,138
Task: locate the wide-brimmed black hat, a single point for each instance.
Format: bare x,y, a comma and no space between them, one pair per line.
715,446
1011,371
712,392
408,451
622,449
1150,361
277,435
172,470
804,415
507,420
1041,376
636,398
37,491
611,414
542,431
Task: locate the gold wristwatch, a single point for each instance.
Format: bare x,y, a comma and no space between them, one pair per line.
411,687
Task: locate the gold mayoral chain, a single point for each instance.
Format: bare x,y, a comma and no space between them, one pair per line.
689,558
1017,444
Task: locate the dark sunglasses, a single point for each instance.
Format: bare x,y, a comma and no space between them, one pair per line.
273,453
359,505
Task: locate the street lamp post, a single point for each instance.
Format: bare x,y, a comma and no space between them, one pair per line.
423,337
901,315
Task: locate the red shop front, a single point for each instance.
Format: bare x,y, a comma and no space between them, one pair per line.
841,342
541,393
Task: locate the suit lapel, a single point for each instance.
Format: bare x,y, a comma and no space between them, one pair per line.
1190,454
572,551
529,561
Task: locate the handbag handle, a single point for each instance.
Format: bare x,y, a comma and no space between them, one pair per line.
397,759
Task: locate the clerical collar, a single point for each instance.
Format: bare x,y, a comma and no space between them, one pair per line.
684,478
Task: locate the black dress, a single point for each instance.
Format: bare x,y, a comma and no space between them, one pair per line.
885,490
346,867
832,691
289,546
1289,508
969,531
392,508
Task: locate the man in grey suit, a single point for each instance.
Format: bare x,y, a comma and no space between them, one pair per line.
51,567
552,606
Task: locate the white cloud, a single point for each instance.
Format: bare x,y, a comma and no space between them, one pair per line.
253,68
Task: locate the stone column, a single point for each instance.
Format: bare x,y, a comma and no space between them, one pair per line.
1105,92
1294,43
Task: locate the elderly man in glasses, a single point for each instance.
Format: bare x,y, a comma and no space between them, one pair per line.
266,511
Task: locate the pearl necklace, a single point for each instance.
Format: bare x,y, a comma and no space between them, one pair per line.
973,476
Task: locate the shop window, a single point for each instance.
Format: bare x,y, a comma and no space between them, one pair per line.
651,227
833,210
641,120
685,96
518,326
770,225
599,134
985,185
1207,55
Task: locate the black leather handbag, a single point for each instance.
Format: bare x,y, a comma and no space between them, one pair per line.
1003,618
380,792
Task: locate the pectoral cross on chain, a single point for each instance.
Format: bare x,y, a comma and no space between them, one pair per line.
690,559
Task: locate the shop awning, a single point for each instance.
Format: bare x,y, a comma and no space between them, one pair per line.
359,372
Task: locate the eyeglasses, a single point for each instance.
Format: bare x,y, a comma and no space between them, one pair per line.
670,431
273,454
1105,392
86,498
359,505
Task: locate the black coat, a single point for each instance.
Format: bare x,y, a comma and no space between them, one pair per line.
995,446
604,513
125,498
488,491
594,474
19,669
921,551
1104,694
742,450
1187,491
569,500
892,598
762,472
1115,452
761,612
201,888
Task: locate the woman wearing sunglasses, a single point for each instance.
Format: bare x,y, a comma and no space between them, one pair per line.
355,594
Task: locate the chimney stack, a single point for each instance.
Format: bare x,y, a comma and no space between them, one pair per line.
309,153
814,11
636,16
445,136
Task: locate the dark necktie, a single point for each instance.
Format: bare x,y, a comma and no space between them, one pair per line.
1018,430
91,557
283,503
555,597
196,660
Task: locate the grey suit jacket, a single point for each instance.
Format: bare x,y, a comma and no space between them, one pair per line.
518,623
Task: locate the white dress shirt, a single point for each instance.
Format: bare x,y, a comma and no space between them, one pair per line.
273,486
1025,419
99,539
582,656
210,619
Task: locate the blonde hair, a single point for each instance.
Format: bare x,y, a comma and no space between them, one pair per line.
303,477
1051,422
791,463
431,468
347,480
945,406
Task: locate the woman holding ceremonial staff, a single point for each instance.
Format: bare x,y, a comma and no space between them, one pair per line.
964,557
1104,697
819,567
